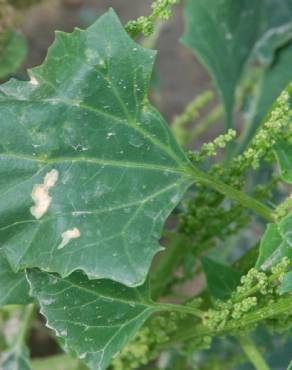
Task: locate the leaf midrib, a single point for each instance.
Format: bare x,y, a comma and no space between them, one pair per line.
110,298
147,166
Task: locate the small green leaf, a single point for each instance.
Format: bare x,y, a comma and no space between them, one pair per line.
14,288
274,80
221,279
290,366
276,243
222,34
12,53
96,318
284,156
89,169
17,358
286,285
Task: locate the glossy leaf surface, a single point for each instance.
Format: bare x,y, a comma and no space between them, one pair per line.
96,318
89,169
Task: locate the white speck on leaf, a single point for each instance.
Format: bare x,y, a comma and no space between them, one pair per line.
68,235
40,194
33,81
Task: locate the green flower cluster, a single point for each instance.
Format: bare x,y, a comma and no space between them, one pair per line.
211,149
161,9
284,208
227,218
144,347
256,288
275,127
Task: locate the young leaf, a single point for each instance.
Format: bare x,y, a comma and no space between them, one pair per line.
96,318
222,34
221,279
89,170
284,156
286,285
14,288
274,81
16,358
276,243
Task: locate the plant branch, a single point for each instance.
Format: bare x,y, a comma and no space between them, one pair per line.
189,331
252,353
180,308
234,194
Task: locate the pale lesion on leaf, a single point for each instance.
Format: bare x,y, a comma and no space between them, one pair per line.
69,235
40,194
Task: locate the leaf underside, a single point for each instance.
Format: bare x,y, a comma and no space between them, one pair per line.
82,136
222,34
96,318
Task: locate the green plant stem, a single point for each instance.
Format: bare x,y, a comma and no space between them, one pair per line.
189,331
234,194
180,308
252,353
28,314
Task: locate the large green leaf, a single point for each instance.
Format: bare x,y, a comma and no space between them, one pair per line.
95,317
222,279
12,53
14,288
276,243
89,170
222,34
284,156
16,358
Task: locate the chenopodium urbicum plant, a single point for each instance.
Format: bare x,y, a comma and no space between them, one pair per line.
90,171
